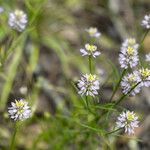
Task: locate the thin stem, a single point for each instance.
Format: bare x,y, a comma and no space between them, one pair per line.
142,40
117,86
74,86
12,143
90,64
144,36
86,99
123,96
113,131
87,105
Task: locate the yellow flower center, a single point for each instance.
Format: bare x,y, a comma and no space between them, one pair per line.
131,41
18,13
90,48
130,116
90,77
19,103
130,50
132,78
145,72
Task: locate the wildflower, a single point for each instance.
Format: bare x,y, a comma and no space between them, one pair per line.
144,74
148,57
128,56
19,110
146,22
17,20
93,32
23,90
90,50
1,9
127,120
88,85
129,81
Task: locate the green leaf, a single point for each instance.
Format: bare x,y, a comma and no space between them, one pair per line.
12,70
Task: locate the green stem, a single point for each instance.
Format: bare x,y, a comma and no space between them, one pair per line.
144,36
113,131
12,143
123,96
87,104
90,64
117,86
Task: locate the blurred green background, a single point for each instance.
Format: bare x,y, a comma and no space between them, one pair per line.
45,60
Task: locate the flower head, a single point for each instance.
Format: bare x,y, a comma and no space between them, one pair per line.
144,74
19,110
128,56
129,81
17,20
146,22
88,85
90,50
127,120
93,32
148,57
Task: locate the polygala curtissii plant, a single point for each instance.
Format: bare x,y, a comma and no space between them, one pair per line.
133,78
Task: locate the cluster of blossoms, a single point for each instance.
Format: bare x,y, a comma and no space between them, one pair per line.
17,20
88,85
133,82
144,74
127,120
128,56
129,81
19,110
90,50
146,22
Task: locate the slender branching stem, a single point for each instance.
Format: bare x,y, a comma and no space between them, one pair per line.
145,34
13,138
87,103
90,64
143,38
124,95
121,98
117,86
113,131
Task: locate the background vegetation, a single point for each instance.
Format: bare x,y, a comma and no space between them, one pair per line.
45,58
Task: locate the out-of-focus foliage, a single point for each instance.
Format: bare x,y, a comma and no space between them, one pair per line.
45,58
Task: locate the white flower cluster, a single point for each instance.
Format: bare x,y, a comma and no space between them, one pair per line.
90,50
88,85
93,32
128,56
146,22
144,74
127,120
147,57
19,110
129,81
17,20
135,81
